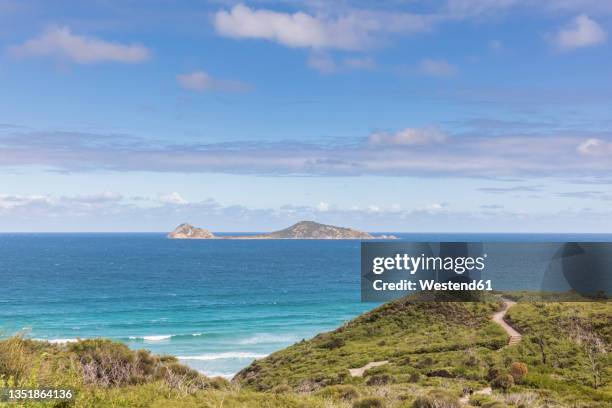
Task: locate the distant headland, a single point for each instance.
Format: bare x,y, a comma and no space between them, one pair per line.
301,230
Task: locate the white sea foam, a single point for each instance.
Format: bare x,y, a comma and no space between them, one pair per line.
225,355
268,338
59,341
162,337
159,337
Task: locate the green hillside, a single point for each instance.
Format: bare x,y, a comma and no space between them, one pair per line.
416,338
453,346
426,354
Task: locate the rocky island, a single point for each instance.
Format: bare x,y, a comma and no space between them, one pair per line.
187,231
301,230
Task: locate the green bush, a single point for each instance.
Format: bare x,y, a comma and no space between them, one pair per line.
282,389
472,361
493,373
369,402
437,399
503,382
15,359
339,392
480,400
380,379
333,343
109,364
426,362
342,377
442,372
495,404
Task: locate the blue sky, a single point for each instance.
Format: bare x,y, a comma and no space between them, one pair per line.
449,115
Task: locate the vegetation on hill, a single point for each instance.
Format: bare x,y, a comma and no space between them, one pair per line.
562,360
430,353
416,338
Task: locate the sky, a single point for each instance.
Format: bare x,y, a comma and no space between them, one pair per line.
399,115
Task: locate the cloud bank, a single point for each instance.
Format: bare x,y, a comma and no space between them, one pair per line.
355,30
351,27
411,151
105,211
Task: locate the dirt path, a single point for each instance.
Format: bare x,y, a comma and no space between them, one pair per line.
515,337
358,372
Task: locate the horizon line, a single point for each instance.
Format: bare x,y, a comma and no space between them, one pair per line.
257,232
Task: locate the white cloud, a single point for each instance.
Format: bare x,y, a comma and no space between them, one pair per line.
595,147
432,208
293,30
62,43
201,81
8,202
434,67
323,206
408,137
93,199
351,31
41,206
581,32
80,201
172,198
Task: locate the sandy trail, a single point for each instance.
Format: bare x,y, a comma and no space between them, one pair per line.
515,337
358,372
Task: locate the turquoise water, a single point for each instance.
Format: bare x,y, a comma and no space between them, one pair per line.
216,304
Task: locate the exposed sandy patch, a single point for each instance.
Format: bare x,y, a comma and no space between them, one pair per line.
358,372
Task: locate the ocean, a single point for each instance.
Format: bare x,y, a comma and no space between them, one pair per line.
216,304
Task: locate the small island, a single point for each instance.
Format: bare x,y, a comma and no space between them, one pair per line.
301,230
187,231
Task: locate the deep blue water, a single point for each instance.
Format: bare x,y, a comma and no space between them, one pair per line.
217,304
